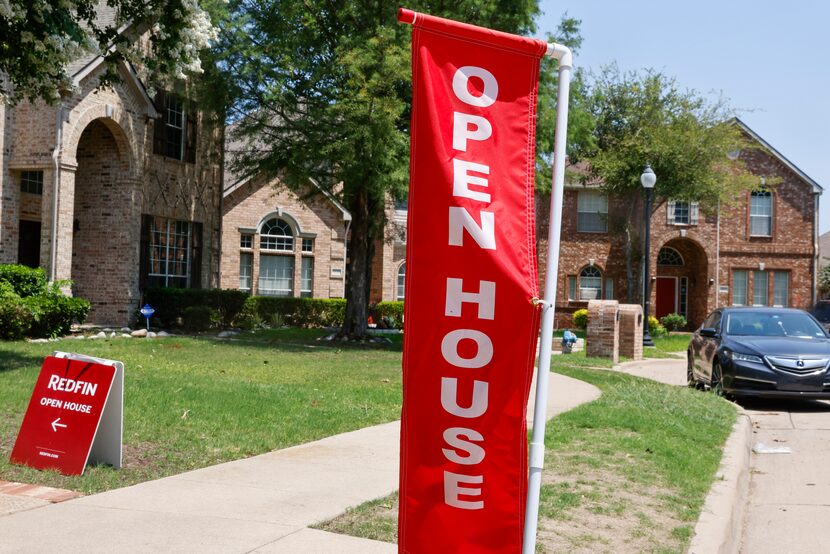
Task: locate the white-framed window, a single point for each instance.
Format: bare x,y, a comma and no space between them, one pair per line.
276,275
246,265
276,235
169,253
308,245
760,214
572,288
590,283
306,276
760,288
401,289
682,212
739,287
246,240
592,212
781,289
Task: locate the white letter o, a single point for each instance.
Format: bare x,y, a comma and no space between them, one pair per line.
459,86
449,348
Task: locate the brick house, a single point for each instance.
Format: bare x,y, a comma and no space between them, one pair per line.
111,189
281,242
761,250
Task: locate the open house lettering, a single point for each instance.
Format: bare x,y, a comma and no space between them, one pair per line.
466,445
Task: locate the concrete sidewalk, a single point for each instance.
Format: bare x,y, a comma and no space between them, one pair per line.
260,504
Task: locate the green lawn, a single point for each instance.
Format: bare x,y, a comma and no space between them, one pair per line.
628,472
667,346
194,402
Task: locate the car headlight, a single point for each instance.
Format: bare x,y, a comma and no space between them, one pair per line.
738,357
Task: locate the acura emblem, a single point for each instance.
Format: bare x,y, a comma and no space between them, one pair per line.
800,363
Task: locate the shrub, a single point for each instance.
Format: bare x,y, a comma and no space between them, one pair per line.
55,313
388,315
673,322
200,318
654,327
580,319
15,317
24,280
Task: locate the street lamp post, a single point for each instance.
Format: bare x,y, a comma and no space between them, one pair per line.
648,178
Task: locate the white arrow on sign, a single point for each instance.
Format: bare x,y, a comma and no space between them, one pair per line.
55,425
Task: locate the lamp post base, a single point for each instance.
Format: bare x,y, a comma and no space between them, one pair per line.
647,338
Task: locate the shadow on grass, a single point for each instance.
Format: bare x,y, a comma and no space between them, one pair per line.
11,360
305,340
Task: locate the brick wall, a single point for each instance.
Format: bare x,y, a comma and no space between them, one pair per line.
631,331
603,334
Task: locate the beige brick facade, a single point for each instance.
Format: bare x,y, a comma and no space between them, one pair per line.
100,176
313,218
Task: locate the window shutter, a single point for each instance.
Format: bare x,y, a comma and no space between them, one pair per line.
144,254
190,136
159,124
670,212
694,210
196,256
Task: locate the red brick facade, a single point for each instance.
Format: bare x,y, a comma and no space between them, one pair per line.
713,260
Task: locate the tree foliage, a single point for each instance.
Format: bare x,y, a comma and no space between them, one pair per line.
39,39
641,118
322,90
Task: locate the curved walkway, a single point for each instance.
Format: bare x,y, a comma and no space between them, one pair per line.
259,504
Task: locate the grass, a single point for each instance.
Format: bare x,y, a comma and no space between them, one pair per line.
627,473
194,402
668,345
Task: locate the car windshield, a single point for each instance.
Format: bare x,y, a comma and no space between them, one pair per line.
773,324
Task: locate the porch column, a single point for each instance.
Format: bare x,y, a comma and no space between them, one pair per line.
63,225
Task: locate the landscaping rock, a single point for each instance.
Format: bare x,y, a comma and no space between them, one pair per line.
227,334
39,340
126,335
112,334
126,330
100,335
163,334
79,337
139,333
150,334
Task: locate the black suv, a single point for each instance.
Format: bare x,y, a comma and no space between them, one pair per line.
821,311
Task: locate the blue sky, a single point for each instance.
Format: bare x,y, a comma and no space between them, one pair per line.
769,59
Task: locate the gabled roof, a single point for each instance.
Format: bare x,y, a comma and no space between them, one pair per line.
777,155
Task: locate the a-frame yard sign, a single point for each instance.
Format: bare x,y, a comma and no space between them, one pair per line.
75,415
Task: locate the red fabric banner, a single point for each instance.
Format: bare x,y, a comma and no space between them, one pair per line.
471,324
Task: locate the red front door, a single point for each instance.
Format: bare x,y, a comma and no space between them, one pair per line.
666,296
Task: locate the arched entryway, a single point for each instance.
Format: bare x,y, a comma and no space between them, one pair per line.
103,249
682,280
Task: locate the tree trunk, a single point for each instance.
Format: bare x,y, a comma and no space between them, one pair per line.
359,269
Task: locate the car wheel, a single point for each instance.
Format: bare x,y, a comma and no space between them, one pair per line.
717,380
691,382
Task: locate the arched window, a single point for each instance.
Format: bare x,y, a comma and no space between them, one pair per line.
276,235
590,283
401,279
669,256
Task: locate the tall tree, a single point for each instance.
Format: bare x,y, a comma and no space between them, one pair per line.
40,38
640,118
321,89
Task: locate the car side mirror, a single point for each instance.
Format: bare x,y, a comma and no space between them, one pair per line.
710,332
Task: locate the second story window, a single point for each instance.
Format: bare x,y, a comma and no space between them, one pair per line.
681,212
31,182
276,235
592,212
175,129
760,214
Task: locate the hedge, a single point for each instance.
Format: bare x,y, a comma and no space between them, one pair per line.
303,312
24,280
170,303
388,315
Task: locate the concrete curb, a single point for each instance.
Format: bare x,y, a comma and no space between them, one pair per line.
718,530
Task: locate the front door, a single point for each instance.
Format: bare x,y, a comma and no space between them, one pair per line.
28,245
666,296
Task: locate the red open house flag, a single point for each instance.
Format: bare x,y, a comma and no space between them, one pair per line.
471,323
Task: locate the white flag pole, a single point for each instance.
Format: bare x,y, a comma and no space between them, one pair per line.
537,442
